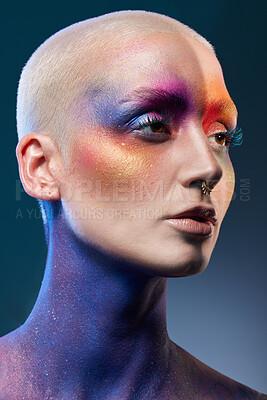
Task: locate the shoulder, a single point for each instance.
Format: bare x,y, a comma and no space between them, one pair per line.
11,367
215,385
220,387
212,385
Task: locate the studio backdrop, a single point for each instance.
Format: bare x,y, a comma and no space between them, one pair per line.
218,316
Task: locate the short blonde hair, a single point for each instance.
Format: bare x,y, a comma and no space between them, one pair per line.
56,70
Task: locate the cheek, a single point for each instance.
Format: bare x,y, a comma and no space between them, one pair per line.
224,190
110,163
228,180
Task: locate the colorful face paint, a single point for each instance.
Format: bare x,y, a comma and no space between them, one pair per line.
140,145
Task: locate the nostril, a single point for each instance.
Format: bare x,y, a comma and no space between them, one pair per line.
217,177
211,183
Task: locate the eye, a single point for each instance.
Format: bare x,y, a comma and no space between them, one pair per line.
156,127
219,141
225,139
221,138
152,126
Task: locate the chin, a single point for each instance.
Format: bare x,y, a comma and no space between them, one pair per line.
187,268
169,264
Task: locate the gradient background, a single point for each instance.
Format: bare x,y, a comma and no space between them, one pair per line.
220,315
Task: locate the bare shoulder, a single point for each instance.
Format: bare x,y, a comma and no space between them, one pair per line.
11,370
214,385
210,384
6,358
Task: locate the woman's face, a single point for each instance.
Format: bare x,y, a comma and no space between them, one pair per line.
141,145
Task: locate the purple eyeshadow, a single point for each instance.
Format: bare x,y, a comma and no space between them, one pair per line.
114,111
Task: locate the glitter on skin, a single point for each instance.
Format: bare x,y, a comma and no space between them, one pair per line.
114,343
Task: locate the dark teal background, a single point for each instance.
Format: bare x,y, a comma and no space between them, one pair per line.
220,315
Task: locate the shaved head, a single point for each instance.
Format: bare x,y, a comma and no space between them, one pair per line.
76,58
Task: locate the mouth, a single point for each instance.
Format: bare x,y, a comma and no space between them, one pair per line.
198,221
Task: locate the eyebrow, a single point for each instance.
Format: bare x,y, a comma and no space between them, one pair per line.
224,108
160,98
173,102
177,100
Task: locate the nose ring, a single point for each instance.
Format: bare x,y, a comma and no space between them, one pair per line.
206,189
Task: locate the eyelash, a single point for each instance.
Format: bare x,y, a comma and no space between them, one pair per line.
233,138
155,117
149,119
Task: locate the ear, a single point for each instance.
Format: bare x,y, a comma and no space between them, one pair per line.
39,164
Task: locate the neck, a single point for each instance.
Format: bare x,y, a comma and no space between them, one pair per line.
97,316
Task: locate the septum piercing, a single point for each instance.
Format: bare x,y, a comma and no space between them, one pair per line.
206,189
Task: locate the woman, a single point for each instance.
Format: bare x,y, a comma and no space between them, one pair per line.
125,124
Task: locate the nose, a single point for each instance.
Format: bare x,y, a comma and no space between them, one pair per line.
199,161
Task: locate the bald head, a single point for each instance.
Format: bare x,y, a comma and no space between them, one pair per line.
76,57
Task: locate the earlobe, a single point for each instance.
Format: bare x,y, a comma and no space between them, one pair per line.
36,154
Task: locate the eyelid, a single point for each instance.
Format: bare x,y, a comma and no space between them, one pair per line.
218,126
150,117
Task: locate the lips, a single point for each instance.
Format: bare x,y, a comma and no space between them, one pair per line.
200,213
198,221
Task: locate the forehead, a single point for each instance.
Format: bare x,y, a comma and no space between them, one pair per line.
165,62
160,51
160,56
